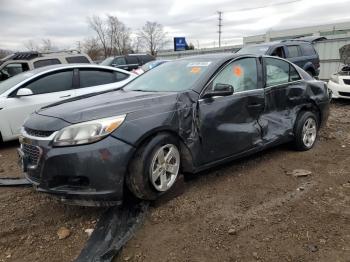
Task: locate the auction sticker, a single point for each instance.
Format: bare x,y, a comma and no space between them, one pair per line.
195,70
196,64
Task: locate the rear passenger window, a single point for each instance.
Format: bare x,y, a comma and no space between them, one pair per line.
279,72
93,77
293,51
55,82
77,59
119,61
133,60
307,50
121,76
46,62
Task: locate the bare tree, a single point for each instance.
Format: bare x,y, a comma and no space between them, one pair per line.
46,45
92,47
113,35
99,26
30,45
4,53
152,36
119,35
136,44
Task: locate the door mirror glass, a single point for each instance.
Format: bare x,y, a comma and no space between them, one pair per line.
24,92
220,90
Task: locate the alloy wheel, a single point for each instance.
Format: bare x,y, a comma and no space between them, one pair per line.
165,167
309,132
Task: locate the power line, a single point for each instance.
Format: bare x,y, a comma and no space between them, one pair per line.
220,25
209,17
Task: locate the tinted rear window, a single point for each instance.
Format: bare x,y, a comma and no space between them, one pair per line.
307,50
93,77
77,59
46,62
132,60
293,51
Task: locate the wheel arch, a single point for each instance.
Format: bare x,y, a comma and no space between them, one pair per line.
185,152
313,107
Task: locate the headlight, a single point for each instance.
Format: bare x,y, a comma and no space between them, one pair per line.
87,132
335,78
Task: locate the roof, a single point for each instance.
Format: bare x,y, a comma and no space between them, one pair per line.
68,66
215,56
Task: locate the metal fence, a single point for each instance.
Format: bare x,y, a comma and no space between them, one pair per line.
328,51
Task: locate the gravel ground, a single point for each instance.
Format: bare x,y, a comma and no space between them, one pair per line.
252,209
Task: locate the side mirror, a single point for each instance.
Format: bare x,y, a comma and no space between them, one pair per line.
24,92
114,65
220,90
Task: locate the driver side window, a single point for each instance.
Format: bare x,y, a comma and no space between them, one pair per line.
241,74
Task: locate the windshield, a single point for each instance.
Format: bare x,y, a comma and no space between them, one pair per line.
174,76
150,65
11,82
256,50
107,61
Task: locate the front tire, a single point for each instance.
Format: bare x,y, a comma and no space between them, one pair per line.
306,131
154,168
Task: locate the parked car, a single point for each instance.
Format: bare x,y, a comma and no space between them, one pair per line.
339,83
184,116
149,66
24,61
298,51
128,62
27,92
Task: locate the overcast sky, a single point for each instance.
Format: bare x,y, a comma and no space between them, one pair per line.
65,21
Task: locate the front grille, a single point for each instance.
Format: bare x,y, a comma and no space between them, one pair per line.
346,81
32,154
344,93
38,133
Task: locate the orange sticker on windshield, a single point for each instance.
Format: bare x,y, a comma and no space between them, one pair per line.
238,71
195,70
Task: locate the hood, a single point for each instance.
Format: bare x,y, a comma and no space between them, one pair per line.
107,105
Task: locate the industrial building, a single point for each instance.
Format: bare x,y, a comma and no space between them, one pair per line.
330,31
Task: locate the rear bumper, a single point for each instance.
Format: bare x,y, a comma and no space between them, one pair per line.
88,175
339,90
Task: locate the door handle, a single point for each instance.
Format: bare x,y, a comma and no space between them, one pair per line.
255,106
65,96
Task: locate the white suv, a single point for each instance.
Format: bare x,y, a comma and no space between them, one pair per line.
26,92
25,61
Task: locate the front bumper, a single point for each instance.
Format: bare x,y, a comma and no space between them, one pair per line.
339,90
89,175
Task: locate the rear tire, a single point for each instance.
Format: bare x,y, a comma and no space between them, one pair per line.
306,131
154,168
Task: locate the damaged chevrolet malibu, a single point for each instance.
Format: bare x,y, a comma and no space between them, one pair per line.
182,117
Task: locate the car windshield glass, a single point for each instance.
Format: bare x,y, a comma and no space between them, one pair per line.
150,65
107,61
7,84
257,50
173,76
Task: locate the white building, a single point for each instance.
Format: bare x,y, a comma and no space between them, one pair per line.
330,31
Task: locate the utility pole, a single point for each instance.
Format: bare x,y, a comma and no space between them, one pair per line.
220,25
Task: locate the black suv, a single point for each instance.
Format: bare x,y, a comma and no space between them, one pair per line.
298,51
128,62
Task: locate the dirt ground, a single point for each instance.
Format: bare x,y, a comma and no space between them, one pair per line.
248,210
